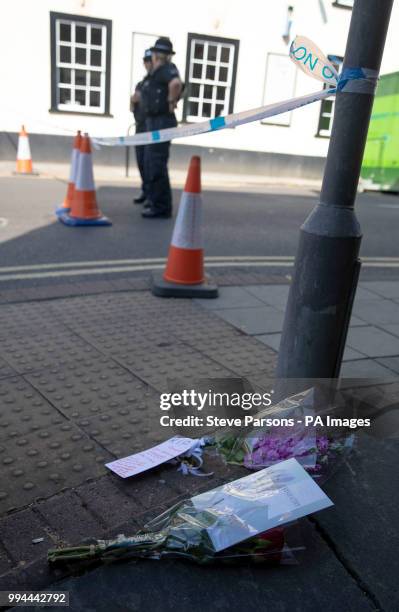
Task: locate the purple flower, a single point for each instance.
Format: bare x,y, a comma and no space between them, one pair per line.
322,444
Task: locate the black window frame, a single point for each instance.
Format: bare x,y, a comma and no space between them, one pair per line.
217,39
54,16
337,4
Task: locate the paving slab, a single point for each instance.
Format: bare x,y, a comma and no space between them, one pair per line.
373,342
44,462
23,410
378,313
128,429
29,353
253,321
273,295
350,354
241,355
364,525
106,500
391,329
5,561
69,519
231,297
365,368
386,289
17,533
176,361
125,335
390,362
5,369
311,585
89,387
271,340
19,320
363,294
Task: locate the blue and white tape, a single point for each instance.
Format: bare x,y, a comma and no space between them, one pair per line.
219,123
307,57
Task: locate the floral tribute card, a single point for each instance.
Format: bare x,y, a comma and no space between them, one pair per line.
251,505
150,458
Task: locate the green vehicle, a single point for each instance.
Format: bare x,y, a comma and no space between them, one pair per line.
380,170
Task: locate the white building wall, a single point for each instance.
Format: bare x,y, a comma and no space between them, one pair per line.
257,24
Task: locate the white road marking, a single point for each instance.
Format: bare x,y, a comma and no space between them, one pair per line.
70,269
3,222
155,260
388,205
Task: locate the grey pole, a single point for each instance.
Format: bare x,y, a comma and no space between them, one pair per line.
327,260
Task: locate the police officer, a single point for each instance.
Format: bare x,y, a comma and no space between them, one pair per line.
159,95
139,116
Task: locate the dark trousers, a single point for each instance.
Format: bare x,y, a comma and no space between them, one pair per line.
140,158
156,171
156,165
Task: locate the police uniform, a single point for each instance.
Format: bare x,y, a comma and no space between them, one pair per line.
155,94
140,119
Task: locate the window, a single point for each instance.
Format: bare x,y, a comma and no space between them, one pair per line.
210,77
327,106
279,85
80,64
344,3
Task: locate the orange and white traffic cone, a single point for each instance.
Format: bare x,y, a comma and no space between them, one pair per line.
67,203
24,158
184,274
84,209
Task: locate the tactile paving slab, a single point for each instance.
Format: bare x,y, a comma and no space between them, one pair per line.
241,355
176,361
43,463
92,311
20,320
24,410
43,351
5,369
130,429
121,336
89,387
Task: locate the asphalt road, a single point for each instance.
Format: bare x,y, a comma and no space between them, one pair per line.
35,245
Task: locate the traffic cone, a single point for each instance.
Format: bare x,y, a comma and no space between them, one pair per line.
84,209
184,273
67,203
24,159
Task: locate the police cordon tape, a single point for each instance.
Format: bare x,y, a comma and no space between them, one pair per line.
308,57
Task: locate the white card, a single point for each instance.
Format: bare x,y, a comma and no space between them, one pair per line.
140,462
269,498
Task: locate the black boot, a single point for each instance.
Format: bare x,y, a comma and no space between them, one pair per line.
154,213
140,199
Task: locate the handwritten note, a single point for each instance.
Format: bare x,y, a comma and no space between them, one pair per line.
141,462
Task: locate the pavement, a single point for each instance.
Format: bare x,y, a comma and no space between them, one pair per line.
372,347
215,180
86,350
80,379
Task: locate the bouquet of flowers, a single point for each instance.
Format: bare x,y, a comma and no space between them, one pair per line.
246,519
182,532
319,450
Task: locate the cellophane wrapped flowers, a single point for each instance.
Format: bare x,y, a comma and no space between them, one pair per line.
320,450
181,532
